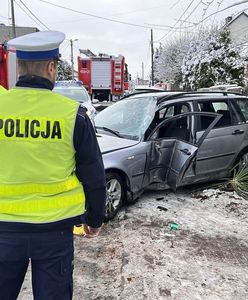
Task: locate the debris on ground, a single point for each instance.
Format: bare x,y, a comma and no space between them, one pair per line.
138,256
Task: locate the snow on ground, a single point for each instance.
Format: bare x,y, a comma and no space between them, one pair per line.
138,256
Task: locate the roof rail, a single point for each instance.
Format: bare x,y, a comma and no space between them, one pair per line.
179,94
174,96
143,92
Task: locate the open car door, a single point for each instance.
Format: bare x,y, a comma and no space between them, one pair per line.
173,152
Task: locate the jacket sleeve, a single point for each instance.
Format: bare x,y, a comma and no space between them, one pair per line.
90,169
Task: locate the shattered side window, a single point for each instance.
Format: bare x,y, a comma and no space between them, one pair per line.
184,109
243,105
166,112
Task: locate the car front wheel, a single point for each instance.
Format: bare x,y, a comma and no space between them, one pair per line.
115,195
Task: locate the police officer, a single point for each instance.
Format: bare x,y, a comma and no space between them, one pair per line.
50,163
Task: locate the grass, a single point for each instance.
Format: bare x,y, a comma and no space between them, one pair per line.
239,182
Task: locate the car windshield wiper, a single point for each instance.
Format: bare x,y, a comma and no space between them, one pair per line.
115,132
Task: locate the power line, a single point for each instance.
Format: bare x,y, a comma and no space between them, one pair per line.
96,16
207,7
184,21
198,4
218,8
27,13
219,11
177,21
175,4
4,17
137,10
203,19
113,15
34,15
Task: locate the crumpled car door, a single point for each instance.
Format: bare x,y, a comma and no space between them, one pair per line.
181,152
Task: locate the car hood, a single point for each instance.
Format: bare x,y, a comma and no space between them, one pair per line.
109,143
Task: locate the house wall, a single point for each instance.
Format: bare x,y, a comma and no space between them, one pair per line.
6,32
239,29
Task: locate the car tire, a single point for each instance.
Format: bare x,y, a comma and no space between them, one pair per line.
115,195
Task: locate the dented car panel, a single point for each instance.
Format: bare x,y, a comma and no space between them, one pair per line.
131,161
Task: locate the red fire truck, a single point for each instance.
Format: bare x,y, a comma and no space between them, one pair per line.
8,74
102,75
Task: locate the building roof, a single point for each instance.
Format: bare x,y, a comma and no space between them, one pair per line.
6,32
232,19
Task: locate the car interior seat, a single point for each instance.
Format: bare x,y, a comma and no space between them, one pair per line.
206,120
225,120
176,129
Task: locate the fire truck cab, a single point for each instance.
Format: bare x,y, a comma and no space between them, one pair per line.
103,76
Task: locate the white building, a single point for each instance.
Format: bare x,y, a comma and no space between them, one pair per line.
238,27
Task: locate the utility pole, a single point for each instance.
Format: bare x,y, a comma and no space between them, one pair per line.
72,61
143,77
152,55
13,19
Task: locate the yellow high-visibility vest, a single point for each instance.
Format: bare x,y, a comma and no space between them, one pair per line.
37,169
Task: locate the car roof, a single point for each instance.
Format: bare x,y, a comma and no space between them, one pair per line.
68,87
165,96
147,88
147,92
68,83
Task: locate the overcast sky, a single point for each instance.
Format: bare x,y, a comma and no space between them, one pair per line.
101,35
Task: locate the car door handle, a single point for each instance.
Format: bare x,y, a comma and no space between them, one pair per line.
186,151
235,132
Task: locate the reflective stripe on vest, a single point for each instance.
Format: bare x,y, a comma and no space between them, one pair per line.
37,170
40,210
45,188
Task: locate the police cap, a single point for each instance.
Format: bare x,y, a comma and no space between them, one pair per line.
42,45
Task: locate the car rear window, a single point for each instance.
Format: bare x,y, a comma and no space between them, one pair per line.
79,95
228,118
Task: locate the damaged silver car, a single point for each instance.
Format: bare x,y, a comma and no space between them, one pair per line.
170,139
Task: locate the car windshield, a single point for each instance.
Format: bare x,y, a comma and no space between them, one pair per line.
129,117
77,94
